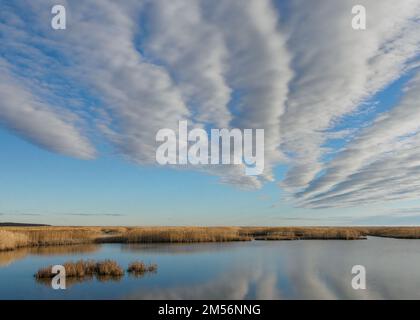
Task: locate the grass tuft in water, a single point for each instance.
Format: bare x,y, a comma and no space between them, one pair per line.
84,268
140,268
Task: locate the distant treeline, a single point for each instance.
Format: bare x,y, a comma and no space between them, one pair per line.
15,224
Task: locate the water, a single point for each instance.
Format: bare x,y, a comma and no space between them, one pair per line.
244,270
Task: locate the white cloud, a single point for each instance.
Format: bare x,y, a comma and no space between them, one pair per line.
380,163
337,68
194,52
39,122
258,67
294,69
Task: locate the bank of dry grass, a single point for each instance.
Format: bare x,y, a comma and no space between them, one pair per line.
12,240
394,232
61,235
17,237
303,233
182,235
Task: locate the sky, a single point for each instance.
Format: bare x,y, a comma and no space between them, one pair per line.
80,109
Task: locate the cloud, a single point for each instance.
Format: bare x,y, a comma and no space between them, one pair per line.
94,214
380,163
258,68
20,214
38,121
122,71
64,214
233,284
300,270
338,68
176,33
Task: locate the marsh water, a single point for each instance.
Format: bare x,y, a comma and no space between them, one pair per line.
318,269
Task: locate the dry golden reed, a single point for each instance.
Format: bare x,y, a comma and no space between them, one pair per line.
12,240
85,268
17,237
304,233
182,235
139,268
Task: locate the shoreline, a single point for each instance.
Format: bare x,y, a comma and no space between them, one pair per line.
24,236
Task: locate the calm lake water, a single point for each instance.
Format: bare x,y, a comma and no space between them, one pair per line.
245,270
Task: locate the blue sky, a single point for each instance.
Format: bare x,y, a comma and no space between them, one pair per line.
80,108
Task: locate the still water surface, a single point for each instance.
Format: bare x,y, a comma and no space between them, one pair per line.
245,270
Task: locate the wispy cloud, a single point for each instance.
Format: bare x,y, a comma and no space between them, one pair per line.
38,121
63,214
336,69
380,163
20,214
93,214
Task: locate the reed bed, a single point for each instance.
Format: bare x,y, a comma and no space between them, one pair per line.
395,232
304,233
182,235
16,237
84,268
12,237
12,240
61,236
140,268
109,268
